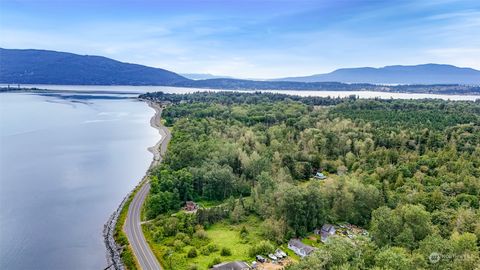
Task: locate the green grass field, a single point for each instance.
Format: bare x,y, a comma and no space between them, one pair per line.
225,235
221,235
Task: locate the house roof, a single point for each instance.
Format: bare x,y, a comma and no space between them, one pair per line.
328,228
237,265
298,244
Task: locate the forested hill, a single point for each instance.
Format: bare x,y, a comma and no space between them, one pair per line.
50,67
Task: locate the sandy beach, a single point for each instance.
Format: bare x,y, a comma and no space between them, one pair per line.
159,149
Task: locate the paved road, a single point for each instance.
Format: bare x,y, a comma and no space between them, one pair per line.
132,227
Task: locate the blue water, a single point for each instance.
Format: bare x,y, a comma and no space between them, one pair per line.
65,165
181,90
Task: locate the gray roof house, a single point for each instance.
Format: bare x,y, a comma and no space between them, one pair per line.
320,176
326,231
237,265
300,248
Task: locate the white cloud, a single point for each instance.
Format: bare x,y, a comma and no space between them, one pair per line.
459,56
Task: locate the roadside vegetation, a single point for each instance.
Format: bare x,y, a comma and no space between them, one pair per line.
406,171
128,258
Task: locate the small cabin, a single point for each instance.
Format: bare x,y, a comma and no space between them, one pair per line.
190,206
326,231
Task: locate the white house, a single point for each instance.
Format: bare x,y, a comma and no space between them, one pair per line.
300,248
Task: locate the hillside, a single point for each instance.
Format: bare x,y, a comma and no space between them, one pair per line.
51,67
419,74
60,68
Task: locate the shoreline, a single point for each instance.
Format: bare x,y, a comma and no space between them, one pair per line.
156,150
206,89
114,250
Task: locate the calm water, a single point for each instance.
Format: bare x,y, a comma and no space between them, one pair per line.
180,90
64,168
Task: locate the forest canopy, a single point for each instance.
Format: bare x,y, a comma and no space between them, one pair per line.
406,170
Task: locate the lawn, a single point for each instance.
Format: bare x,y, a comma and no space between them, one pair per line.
220,235
226,235
208,204
312,240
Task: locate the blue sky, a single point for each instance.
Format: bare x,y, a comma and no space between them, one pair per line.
250,38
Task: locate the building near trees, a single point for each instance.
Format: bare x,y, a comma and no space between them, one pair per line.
300,248
326,231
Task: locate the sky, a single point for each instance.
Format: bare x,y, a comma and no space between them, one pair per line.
250,38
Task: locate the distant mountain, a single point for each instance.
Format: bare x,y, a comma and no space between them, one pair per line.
419,74
51,67
203,76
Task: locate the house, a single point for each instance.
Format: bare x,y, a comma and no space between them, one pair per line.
326,231
190,206
320,176
237,265
300,248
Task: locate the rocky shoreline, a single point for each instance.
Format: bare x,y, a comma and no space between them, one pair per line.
114,250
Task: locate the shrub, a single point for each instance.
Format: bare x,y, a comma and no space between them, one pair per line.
243,232
215,261
263,247
178,245
187,240
212,247
122,239
192,253
225,252
128,259
180,236
193,267
158,235
205,251
201,234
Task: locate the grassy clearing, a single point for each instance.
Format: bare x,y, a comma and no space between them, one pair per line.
208,204
225,235
312,240
209,250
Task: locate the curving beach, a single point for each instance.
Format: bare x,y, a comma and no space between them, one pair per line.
132,225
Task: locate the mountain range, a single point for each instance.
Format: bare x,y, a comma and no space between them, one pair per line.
51,67
419,74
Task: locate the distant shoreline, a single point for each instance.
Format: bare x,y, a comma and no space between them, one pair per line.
123,92
154,88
